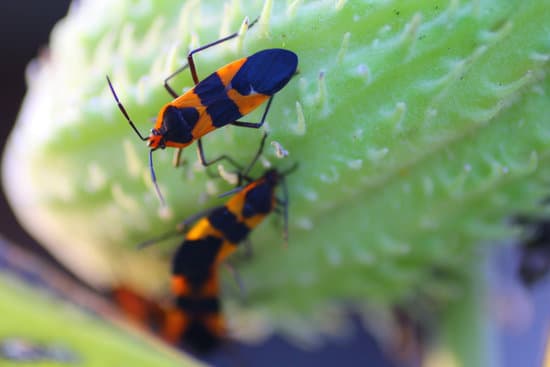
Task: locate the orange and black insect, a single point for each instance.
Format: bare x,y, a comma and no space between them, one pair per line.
196,319
139,309
220,99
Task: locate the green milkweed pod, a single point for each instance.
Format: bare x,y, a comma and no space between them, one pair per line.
419,128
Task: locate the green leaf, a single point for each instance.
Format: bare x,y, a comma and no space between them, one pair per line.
41,320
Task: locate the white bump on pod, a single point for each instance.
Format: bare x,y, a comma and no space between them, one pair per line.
280,151
300,127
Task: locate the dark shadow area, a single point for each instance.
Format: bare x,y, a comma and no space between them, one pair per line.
24,30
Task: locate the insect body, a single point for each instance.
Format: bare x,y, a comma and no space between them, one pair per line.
139,309
216,233
220,99
197,318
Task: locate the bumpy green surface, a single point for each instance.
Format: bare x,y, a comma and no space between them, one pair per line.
40,320
419,127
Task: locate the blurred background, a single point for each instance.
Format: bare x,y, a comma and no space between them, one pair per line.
24,31
522,317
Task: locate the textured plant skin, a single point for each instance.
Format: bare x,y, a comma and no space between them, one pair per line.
419,127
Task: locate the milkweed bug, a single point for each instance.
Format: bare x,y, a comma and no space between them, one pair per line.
200,329
216,234
139,309
223,97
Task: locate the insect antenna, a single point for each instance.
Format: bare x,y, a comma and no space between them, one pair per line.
244,174
151,168
162,237
154,178
123,110
284,202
